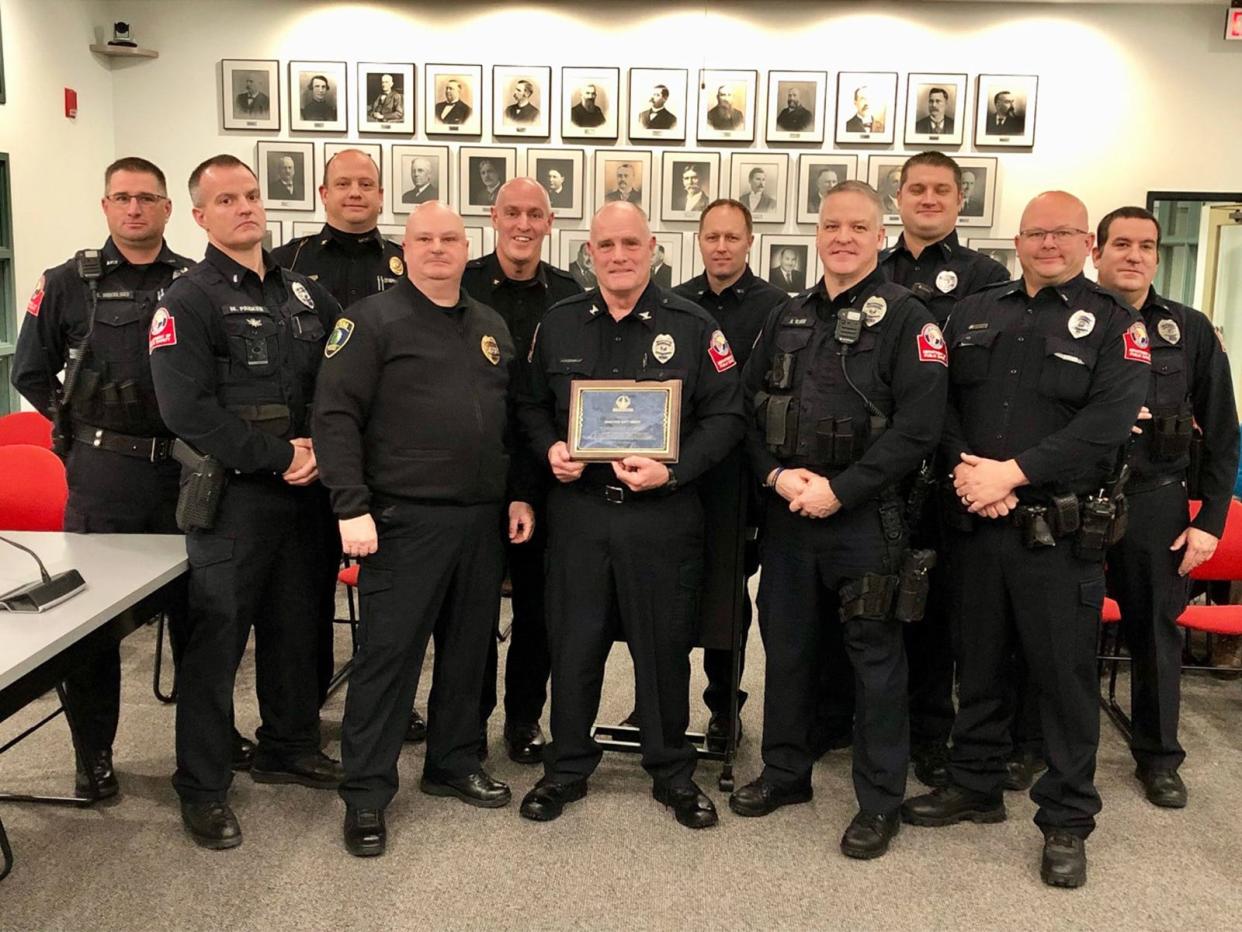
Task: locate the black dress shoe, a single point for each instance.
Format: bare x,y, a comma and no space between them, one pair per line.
211,824
931,764
719,727
98,764
1064,863
869,833
1163,787
416,731
692,807
524,742
243,752
317,770
548,798
1022,768
759,798
947,805
365,832
477,789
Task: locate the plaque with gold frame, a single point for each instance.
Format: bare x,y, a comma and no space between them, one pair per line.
610,419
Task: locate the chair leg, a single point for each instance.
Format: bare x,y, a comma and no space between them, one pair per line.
171,696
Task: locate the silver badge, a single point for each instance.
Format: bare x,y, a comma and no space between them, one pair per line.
946,281
300,292
874,309
1081,323
663,347
1169,331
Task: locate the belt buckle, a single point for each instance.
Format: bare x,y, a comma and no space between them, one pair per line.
614,494
159,449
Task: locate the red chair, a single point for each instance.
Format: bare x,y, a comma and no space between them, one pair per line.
33,491
29,427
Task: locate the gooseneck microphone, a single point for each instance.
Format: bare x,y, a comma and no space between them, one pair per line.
44,592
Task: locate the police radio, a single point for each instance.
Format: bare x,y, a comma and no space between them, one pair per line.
849,326
89,265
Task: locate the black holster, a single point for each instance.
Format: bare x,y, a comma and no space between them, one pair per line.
1095,533
913,585
203,480
1171,436
868,597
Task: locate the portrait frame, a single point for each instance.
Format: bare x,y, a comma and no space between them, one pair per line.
879,169
696,254
673,242
803,245
275,235
645,81
711,128
991,246
571,163
373,149
1025,90
573,80
810,165
779,85
774,164
568,246
401,184
606,162
393,232
674,198
267,154
232,85
979,212
405,83
504,84
918,87
476,243
883,88
474,199
301,76
305,228
470,78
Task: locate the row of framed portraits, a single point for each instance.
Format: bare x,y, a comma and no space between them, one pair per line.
799,107
788,261
469,177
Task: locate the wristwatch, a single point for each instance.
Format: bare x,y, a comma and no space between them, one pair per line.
671,485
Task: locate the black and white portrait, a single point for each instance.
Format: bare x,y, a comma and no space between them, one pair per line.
666,260
934,114
999,250
795,103
386,98
1006,110
520,101
866,105
272,235
884,174
786,264
657,103
978,190
559,171
454,96
483,170
621,175
727,104
286,174
589,103
419,174
759,181
251,94
691,181
817,174
575,257
317,98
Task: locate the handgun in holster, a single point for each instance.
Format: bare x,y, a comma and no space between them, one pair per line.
1032,521
913,585
202,488
1095,529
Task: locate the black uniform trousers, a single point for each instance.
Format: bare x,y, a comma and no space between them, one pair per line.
632,570
257,569
1142,576
929,645
326,583
437,572
110,493
1044,603
718,664
805,563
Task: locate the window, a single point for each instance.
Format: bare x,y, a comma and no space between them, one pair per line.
8,317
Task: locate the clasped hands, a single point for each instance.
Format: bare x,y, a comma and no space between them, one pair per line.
636,473
986,487
809,494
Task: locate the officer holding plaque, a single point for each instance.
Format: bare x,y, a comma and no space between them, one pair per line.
624,520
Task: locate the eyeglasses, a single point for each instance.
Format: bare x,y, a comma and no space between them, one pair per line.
122,199
1059,236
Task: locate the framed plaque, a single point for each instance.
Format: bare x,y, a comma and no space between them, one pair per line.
610,419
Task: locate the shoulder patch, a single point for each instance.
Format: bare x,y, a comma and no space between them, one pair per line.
1136,345
339,336
163,330
36,299
721,354
931,345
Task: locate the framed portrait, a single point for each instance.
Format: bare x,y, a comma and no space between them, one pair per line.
884,174
318,98
866,106
305,228
562,173
789,262
623,175
386,98
817,173
480,173
522,101
274,236
696,255
1001,250
373,149
393,232
454,100
691,182
1005,110
548,250
796,106
286,171
575,258
419,174
727,105
590,103
979,182
250,93
657,102
667,259
935,109
760,180
476,246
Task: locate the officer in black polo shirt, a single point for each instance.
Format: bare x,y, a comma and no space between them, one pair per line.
235,347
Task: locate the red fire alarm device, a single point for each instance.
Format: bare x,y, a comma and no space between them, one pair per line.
1233,21
71,103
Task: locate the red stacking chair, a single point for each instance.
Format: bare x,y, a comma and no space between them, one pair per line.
33,489
28,427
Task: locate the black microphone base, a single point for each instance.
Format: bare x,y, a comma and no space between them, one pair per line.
39,596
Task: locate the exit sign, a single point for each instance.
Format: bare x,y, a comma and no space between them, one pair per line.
1233,21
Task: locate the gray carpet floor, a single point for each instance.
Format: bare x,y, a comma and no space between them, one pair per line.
616,860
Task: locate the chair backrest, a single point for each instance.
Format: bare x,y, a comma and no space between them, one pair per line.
32,489
26,427
1226,563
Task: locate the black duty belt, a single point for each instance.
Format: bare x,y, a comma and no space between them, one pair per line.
617,494
152,449
1140,484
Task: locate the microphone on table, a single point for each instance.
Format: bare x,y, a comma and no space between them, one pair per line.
44,592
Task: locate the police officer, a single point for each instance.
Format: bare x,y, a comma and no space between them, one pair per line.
352,260
412,420
625,544
234,347
1047,375
1147,571
846,390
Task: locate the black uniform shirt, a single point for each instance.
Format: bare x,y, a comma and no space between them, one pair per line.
192,355
664,337
351,266
740,309
57,316
947,272
522,304
1054,381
